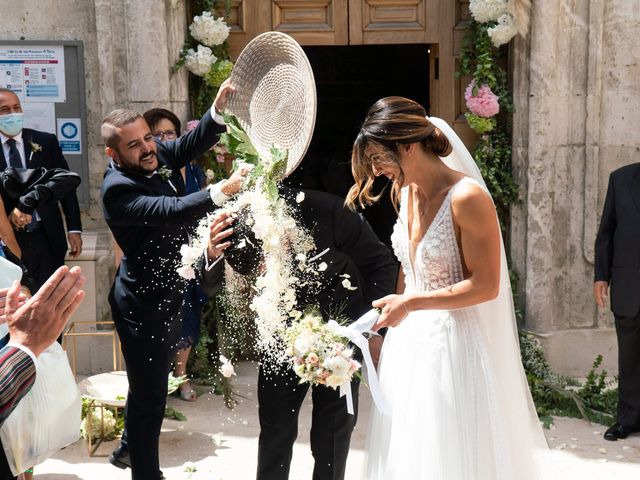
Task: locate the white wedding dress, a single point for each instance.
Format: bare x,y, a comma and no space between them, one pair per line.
446,420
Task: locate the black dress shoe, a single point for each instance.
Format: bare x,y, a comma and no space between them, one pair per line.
617,431
120,458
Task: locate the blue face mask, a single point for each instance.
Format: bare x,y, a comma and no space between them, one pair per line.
11,124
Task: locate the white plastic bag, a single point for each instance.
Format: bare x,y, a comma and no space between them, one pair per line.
47,418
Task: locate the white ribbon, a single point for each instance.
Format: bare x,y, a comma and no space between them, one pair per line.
354,333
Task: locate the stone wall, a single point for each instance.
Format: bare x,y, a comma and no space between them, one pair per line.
577,97
129,48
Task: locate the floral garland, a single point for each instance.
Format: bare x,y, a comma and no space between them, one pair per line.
488,100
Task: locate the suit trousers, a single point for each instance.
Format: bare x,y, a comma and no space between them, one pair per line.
38,256
147,351
280,397
628,332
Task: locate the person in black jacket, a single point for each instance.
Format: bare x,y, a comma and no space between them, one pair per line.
147,211
352,249
43,241
617,264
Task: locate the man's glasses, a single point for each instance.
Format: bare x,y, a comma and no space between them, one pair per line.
166,135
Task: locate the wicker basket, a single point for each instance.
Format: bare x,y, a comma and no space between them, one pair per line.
275,97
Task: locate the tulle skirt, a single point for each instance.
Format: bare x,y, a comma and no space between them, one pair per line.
444,421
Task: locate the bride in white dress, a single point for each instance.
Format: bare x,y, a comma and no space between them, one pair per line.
450,368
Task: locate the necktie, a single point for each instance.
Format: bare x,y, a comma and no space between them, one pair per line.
14,156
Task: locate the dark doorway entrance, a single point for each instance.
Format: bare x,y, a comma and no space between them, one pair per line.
349,79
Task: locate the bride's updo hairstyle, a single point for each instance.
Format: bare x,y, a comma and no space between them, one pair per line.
390,122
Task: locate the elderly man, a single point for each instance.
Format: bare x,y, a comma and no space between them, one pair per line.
149,215
43,241
617,264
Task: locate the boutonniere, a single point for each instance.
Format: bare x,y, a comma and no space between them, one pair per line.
165,173
35,148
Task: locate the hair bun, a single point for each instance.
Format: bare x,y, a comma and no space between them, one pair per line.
438,143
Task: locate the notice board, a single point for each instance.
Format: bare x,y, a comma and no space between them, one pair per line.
48,76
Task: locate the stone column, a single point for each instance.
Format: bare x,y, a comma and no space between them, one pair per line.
577,99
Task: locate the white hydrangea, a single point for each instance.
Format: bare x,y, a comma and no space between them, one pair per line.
199,62
484,11
504,31
208,30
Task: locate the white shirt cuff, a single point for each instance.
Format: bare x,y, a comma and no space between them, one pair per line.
23,348
75,231
208,266
219,119
217,195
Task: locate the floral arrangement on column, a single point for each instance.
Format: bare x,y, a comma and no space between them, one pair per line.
206,56
488,100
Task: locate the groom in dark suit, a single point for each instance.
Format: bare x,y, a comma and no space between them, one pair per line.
349,249
617,264
149,215
43,241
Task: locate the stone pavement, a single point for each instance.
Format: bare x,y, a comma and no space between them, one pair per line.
223,443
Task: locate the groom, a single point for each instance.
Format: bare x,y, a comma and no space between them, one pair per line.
353,250
147,211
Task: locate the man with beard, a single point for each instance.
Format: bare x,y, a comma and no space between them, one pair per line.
149,215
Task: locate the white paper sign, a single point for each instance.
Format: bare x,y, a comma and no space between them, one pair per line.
40,116
35,74
69,135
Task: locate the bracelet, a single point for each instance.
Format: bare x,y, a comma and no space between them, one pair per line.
404,302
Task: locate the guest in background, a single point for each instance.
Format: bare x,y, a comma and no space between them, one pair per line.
165,126
43,240
617,264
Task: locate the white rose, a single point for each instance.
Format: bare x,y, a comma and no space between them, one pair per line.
334,381
337,365
484,11
504,31
303,344
208,30
199,62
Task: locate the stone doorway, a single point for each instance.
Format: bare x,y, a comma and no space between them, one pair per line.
349,79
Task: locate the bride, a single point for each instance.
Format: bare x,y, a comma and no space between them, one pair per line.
450,368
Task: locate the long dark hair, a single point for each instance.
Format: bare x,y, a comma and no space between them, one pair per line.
390,122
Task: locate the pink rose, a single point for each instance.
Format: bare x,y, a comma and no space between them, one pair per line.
484,103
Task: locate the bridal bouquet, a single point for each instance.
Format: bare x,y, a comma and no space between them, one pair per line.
318,353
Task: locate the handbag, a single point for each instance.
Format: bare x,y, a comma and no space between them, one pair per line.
47,418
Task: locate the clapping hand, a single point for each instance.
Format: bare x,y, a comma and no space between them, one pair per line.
22,298
39,321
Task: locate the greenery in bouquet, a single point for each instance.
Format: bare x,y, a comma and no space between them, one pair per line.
93,418
318,354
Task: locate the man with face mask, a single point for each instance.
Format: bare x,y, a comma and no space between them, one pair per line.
146,208
43,240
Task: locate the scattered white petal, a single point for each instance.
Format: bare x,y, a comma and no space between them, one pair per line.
322,267
626,447
602,450
189,467
300,197
347,284
619,457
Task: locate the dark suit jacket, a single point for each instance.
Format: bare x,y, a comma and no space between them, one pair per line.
17,375
617,249
49,157
150,221
353,249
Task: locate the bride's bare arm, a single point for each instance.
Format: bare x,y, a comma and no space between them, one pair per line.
400,285
6,232
475,216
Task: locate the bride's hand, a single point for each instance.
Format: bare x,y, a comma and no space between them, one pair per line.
393,311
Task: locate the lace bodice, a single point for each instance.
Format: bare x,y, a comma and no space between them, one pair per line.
437,256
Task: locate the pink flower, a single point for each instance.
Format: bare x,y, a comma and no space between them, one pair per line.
484,103
312,359
191,124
